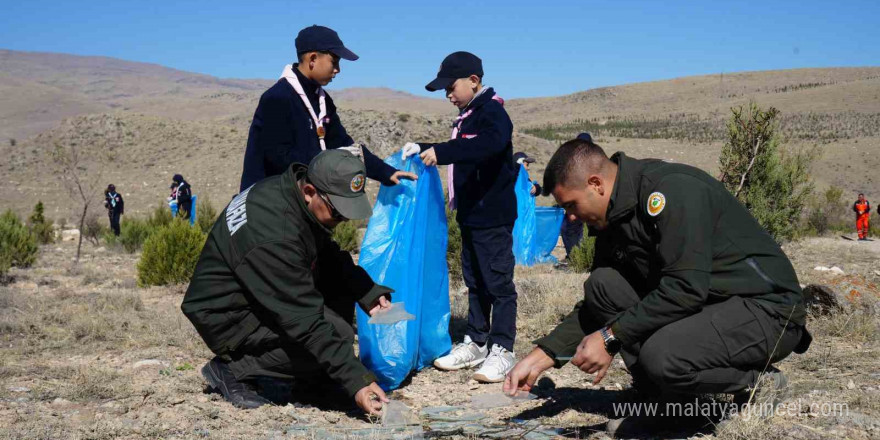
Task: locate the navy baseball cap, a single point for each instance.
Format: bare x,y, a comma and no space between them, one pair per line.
456,65
525,157
585,137
322,39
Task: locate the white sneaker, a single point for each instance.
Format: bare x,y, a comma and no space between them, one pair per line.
497,365
464,355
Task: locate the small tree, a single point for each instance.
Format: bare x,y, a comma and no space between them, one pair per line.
206,214
18,246
826,211
81,177
170,254
772,183
41,229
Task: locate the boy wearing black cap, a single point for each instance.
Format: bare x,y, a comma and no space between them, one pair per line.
481,178
273,295
296,119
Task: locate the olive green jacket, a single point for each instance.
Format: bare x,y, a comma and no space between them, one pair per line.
682,241
264,263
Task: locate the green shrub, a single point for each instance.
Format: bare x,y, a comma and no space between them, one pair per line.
345,235
133,233
827,212
18,246
772,183
161,216
581,258
170,254
453,250
206,214
42,229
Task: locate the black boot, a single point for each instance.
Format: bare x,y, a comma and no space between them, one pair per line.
240,394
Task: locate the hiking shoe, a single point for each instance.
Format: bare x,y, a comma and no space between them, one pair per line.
240,394
497,365
464,355
763,397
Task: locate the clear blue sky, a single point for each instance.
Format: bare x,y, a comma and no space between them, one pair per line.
529,48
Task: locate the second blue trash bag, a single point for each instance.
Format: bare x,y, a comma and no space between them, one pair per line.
524,227
547,223
405,249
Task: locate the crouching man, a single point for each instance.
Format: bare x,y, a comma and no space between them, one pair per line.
686,285
272,295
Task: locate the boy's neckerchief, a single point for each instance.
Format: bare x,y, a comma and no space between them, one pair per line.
456,128
291,78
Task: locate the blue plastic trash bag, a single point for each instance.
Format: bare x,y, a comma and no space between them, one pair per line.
192,210
405,249
536,229
547,223
524,227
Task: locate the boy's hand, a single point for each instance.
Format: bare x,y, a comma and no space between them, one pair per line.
370,399
395,178
381,304
429,157
410,149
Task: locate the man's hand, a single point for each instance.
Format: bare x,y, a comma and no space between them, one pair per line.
395,178
591,356
411,149
429,157
380,304
524,374
370,399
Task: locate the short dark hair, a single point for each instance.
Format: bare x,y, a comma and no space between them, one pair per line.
299,55
571,157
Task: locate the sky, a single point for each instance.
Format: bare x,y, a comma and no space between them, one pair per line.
529,48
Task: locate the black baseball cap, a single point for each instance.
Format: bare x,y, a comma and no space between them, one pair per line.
456,65
342,176
322,39
525,157
585,137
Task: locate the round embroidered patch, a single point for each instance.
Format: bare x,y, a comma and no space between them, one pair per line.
656,203
357,183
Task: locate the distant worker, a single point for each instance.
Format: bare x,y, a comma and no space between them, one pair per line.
296,119
862,208
115,207
524,160
273,295
184,196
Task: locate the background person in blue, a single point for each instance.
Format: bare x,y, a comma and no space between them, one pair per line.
524,160
483,178
296,119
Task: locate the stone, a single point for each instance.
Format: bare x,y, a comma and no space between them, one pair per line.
149,363
19,389
70,235
821,299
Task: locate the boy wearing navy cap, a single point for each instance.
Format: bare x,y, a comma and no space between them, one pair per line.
523,160
481,181
296,119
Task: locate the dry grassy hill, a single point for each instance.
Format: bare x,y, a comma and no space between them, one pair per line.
158,121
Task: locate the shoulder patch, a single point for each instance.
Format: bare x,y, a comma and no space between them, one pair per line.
656,203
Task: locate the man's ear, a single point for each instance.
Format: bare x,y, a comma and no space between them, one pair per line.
597,183
309,191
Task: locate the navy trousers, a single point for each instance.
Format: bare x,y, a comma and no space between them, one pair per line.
487,266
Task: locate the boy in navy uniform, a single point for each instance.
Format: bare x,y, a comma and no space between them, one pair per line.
481,186
296,119
524,160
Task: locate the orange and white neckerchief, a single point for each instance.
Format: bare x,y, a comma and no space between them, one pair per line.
456,127
322,103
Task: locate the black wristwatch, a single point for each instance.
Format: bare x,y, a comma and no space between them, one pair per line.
612,344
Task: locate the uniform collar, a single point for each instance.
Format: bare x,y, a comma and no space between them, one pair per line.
624,197
483,97
295,198
309,86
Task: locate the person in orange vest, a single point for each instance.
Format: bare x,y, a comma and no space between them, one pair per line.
862,208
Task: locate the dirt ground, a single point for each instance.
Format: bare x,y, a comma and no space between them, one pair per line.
87,354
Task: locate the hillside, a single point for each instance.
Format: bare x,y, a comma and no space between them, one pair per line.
158,121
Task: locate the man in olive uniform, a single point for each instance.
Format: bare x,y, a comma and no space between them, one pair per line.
686,285
273,296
